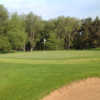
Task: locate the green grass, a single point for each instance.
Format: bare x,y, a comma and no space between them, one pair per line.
30,76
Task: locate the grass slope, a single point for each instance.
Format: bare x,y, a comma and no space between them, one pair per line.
30,76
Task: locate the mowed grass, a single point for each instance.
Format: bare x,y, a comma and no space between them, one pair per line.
30,76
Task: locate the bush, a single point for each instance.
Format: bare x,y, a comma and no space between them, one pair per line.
53,43
4,44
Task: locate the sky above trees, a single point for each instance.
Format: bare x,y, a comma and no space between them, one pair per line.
53,8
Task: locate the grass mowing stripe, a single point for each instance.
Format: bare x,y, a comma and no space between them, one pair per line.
69,61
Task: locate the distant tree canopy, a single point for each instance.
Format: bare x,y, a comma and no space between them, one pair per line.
30,32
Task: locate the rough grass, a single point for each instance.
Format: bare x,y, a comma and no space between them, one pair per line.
30,76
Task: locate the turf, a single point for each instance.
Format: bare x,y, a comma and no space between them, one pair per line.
30,76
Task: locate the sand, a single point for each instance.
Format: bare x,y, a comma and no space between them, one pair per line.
88,89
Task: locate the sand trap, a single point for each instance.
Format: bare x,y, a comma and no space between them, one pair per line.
88,89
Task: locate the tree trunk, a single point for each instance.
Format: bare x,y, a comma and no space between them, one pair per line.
24,47
69,42
31,49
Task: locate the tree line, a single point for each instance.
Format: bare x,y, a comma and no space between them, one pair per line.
28,32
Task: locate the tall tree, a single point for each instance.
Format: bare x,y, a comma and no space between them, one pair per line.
3,20
95,32
33,27
66,29
16,32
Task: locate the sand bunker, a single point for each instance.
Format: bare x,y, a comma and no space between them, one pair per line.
88,89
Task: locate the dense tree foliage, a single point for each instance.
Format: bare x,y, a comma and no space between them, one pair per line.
16,32
30,32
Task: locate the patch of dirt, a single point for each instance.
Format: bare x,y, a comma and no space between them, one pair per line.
88,89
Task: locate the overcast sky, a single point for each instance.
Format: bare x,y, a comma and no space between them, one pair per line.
53,8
